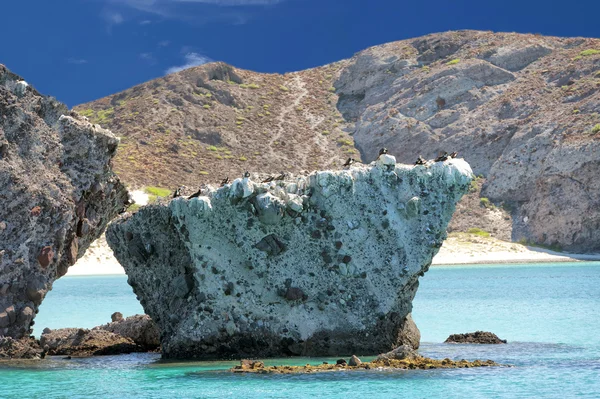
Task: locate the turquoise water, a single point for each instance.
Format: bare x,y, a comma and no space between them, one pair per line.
549,313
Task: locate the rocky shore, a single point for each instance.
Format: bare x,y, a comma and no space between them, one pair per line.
122,335
477,337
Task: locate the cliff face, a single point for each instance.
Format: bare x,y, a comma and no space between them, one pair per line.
315,265
57,194
522,109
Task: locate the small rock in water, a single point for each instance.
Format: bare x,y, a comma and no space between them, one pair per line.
354,361
477,337
341,362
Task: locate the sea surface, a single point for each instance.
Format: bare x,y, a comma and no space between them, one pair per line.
549,313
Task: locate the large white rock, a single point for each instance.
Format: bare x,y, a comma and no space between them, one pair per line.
317,265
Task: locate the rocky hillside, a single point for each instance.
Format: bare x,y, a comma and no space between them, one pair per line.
523,110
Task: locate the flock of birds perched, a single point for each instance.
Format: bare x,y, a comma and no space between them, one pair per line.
349,161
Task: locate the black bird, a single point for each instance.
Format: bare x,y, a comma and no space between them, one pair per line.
382,151
442,158
349,162
224,181
453,154
196,194
246,174
420,161
281,176
177,192
268,179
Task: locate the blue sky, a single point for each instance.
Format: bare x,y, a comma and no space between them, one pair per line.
81,50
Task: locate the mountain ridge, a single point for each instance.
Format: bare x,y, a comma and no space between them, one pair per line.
521,108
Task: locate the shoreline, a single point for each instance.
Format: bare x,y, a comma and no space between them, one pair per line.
459,249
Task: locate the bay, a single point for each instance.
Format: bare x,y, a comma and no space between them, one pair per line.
549,313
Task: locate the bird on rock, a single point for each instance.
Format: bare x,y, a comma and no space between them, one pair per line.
224,181
196,194
382,151
246,174
281,176
453,154
177,192
268,179
349,162
442,158
420,161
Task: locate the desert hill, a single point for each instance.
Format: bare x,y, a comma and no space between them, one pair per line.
522,109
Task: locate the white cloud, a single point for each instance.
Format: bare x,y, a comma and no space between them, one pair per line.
148,57
77,61
191,60
113,17
164,43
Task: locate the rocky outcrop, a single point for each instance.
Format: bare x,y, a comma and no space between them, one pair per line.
314,265
24,348
139,328
84,342
400,353
477,337
57,193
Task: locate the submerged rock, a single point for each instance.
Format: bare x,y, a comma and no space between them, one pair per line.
230,275
57,194
477,337
417,363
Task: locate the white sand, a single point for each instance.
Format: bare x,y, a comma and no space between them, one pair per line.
99,259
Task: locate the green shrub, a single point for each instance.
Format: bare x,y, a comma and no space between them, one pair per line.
325,133
485,202
158,191
283,88
453,62
212,148
596,128
249,86
244,159
133,207
478,232
206,106
586,53
344,141
87,112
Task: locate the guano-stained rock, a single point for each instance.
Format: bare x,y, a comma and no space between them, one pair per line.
52,163
216,287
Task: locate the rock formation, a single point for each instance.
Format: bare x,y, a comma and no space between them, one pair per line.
314,265
57,194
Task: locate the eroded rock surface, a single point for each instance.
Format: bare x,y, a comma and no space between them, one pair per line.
85,342
315,265
57,194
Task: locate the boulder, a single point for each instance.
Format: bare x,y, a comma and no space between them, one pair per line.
139,328
52,162
400,353
477,337
339,277
354,361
